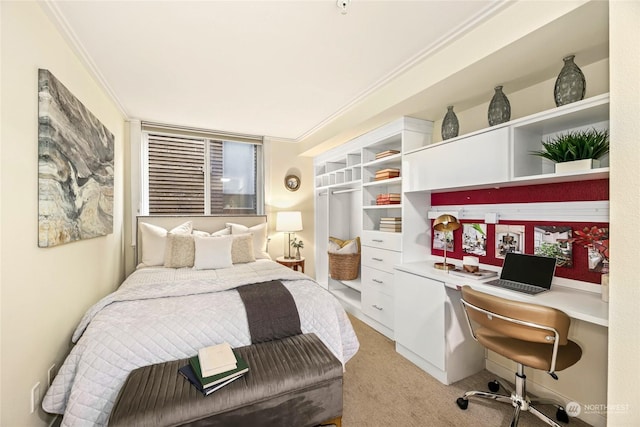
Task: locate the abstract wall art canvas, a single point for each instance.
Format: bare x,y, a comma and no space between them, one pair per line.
75,167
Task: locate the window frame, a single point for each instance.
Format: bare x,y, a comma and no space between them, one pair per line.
208,136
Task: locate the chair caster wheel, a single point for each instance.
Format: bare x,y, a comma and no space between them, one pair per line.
462,403
494,386
562,416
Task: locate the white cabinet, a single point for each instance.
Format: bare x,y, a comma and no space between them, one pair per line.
502,155
431,330
420,318
479,159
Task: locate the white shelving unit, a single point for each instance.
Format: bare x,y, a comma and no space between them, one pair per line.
496,157
345,195
501,155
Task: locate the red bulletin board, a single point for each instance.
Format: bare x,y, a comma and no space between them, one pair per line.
572,191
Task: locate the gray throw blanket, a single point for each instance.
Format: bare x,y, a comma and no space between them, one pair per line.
271,311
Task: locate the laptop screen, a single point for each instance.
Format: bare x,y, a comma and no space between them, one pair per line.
530,269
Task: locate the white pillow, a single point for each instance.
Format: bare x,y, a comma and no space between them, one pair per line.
224,232
259,233
213,252
154,241
333,247
349,248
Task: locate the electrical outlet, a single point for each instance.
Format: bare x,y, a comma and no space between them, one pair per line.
51,373
35,397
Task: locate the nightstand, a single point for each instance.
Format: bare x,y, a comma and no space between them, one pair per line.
295,264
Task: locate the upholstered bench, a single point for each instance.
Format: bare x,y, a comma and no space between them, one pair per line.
294,382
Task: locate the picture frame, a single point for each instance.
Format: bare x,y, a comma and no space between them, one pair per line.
292,182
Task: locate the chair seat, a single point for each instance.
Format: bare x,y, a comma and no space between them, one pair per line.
531,354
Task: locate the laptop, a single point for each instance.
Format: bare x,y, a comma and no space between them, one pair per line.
530,274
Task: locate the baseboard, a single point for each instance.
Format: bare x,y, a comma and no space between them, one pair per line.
592,418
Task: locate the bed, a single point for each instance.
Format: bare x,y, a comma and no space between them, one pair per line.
161,313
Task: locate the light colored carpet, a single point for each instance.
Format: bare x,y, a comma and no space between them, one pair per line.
382,388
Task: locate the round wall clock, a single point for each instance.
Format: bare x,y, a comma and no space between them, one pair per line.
292,182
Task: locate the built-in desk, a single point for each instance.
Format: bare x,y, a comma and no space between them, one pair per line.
432,332
578,304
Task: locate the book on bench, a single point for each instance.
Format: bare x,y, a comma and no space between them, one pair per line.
206,382
187,372
216,359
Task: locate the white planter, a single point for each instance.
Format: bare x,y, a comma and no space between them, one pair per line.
577,165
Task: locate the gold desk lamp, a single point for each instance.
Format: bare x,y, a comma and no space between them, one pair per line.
445,223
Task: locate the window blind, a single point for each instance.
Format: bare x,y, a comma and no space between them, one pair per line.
192,171
176,175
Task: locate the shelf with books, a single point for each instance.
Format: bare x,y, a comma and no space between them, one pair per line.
344,213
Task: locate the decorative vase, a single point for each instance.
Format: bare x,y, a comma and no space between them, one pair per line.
298,253
499,108
450,125
570,84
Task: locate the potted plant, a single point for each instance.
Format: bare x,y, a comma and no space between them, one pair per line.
298,244
576,150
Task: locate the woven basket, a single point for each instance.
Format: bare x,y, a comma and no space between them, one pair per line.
344,266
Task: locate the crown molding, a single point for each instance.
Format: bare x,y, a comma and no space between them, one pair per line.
425,53
51,9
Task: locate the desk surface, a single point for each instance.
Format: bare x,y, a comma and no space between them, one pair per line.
581,305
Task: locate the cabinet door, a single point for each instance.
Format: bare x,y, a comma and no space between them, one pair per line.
378,280
378,306
377,239
475,160
381,259
420,316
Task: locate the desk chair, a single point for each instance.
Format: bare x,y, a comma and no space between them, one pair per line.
529,334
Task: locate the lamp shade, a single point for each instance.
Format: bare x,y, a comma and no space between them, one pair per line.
289,221
446,223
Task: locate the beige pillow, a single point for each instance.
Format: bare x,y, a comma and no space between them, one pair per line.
259,233
180,251
242,249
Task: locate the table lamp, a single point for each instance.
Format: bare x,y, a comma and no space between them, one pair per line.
288,222
445,223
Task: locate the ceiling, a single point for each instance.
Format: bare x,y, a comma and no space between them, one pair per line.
301,71
282,69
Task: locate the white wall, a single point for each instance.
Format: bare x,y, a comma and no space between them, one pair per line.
280,159
624,316
44,291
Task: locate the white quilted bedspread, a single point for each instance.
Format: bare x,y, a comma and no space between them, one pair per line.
160,314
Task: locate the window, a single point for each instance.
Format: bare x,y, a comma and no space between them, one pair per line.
200,173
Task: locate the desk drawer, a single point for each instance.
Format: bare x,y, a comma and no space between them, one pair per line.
381,259
378,306
378,280
382,240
